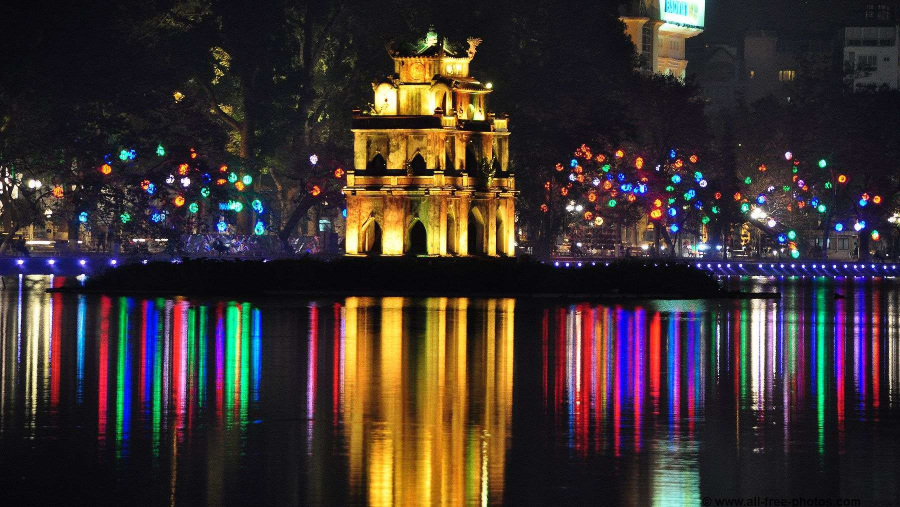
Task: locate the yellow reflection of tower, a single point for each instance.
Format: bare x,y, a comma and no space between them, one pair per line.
413,438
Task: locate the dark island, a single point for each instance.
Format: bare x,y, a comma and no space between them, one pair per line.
407,276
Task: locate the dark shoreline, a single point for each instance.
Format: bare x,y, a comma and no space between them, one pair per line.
408,277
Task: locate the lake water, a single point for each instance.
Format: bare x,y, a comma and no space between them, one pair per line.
451,401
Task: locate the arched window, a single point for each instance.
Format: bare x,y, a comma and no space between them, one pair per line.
418,239
377,165
471,159
476,233
418,165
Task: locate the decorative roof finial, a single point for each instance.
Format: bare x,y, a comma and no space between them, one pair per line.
431,38
473,43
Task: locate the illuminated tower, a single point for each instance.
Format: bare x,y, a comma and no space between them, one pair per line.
431,164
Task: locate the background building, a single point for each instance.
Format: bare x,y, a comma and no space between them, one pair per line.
659,28
774,63
719,72
871,48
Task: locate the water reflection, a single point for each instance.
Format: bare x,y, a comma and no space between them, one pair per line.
411,401
427,413
786,376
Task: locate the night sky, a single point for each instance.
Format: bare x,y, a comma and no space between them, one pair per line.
727,20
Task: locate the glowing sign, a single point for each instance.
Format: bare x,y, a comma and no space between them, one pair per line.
683,12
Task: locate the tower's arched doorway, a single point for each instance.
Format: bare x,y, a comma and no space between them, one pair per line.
476,233
452,235
418,239
370,238
501,236
377,165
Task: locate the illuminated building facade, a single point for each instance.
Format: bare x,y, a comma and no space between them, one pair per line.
659,28
431,165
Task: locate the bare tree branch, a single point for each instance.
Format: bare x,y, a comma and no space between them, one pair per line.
317,52
214,104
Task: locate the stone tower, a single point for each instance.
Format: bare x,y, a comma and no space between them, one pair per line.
431,164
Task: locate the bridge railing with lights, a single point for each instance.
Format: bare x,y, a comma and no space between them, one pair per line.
780,268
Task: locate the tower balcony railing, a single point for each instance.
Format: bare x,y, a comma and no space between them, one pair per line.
437,179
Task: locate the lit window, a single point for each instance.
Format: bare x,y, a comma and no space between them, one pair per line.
787,75
752,73
647,39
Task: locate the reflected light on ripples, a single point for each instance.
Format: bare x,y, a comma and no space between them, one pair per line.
412,399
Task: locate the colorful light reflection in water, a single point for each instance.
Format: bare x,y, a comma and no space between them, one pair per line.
448,400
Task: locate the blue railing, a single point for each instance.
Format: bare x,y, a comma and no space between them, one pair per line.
749,268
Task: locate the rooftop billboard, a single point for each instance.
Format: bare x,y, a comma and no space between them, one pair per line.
683,12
